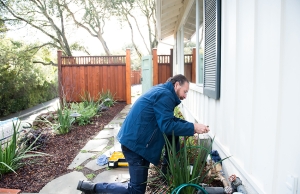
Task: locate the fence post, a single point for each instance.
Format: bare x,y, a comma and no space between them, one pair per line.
171,62
128,77
155,67
194,66
60,93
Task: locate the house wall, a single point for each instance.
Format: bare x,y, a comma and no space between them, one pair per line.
256,121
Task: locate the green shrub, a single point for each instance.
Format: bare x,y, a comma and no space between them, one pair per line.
87,100
12,155
64,120
107,98
86,112
22,83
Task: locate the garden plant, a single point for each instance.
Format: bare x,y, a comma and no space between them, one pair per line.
187,168
12,154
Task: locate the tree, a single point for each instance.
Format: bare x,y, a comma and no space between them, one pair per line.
188,47
148,8
129,11
23,84
92,17
3,27
47,16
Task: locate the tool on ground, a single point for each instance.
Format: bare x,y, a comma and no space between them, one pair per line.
117,159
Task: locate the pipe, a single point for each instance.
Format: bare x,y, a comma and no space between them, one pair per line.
227,187
217,170
237,184
213,190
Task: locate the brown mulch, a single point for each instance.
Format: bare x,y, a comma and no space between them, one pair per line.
63,149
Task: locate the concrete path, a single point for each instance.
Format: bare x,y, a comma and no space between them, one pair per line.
67,183
25,114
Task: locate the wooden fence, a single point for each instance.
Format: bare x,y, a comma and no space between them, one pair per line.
136,77
94,74
188,59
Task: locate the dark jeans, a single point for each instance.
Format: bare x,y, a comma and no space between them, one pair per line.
138,170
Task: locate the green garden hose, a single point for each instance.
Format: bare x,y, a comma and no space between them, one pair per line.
178,189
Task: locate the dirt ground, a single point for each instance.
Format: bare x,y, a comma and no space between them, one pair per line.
31,178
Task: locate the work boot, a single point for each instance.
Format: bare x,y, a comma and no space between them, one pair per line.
87,187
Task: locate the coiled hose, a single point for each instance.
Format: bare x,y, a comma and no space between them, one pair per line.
178,189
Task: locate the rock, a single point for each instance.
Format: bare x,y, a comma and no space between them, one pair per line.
35,123
50,117
102,108
43,116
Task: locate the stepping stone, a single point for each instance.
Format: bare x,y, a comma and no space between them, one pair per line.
111,126
79,159
116,131
106,133
94,166
96,145
119,115
65,184
109,152
113,175
117,146
117,121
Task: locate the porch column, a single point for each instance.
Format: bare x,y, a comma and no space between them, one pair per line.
155,67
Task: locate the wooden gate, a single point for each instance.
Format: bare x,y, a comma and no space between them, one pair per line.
163,67
135,77
94,74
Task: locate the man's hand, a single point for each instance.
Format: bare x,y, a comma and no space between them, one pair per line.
200,128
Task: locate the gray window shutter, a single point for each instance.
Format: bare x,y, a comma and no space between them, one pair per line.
212,48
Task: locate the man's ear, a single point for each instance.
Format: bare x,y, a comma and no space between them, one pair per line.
176,85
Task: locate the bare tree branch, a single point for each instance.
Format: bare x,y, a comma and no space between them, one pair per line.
138,27
91,21
43,63
78,23
38,9
40,46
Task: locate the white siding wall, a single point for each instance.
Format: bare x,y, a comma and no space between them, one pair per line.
257,119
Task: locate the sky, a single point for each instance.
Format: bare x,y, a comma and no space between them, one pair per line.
115,35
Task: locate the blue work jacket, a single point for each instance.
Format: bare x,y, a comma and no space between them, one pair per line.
151,116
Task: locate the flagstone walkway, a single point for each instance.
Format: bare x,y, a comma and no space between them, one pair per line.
67,183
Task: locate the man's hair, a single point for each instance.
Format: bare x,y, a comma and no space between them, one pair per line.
178,78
